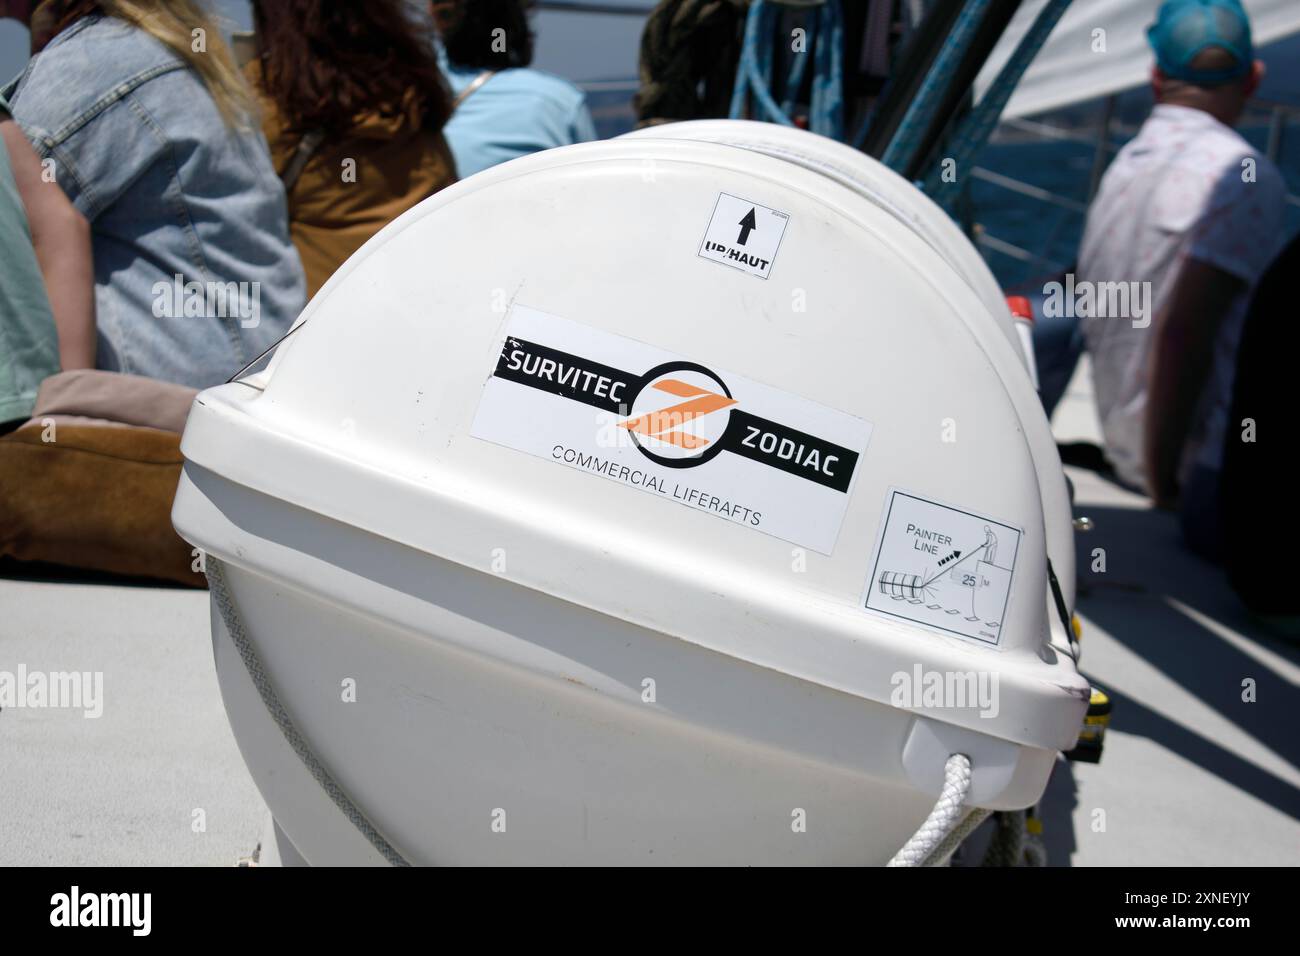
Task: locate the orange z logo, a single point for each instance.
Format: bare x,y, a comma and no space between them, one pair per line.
664,424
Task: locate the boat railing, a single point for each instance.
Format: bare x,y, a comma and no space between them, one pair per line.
1105,139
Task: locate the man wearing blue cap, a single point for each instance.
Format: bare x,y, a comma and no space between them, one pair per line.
1191,208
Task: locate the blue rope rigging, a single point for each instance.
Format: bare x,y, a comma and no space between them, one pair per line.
900,152
974,130
825,46
753,93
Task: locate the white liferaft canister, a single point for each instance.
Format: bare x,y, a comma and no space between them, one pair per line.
879,185
631,502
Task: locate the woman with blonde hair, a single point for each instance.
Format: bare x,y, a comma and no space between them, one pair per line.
138,111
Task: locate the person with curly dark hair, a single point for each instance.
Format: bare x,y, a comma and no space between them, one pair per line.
353,107
503,108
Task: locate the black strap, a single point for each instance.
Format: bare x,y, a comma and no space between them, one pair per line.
307,146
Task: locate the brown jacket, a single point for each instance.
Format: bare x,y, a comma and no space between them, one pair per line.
335,206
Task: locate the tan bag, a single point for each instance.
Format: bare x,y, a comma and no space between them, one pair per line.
88,482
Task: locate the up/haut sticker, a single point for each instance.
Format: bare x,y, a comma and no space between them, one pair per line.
665,425
744,235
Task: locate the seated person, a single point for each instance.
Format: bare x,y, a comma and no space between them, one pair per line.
1193,211
503,108
47,307
147,122
353,105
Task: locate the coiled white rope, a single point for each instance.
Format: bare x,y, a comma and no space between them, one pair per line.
944,819
1035,852
1015,842
1008,844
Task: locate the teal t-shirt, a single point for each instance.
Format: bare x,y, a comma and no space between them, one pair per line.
29,343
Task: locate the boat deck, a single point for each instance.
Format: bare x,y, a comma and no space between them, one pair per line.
1192,774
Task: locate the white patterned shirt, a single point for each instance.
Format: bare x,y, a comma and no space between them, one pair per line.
1186,187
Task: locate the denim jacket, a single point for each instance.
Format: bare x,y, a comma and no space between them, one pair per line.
195,274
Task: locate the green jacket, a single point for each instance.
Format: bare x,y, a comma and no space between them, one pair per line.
29,343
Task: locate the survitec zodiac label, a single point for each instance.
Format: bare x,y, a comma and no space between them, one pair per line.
703,437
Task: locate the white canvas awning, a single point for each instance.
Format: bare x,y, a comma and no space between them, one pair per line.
1072,68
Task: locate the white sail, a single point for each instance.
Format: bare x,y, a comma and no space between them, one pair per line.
1100,47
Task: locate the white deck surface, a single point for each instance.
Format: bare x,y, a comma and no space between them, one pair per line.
123,788
1191,773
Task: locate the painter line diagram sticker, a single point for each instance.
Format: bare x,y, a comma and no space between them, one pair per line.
944,568
744,235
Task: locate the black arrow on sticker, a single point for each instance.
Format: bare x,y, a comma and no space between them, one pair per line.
955,554
747,225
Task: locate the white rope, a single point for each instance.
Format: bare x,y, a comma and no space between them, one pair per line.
940,855
266,690
943,819
1013,844
1035,852
1008,843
